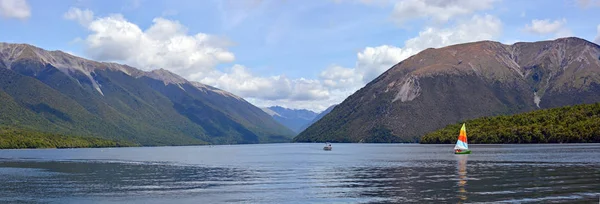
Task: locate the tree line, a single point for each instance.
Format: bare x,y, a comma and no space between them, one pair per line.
569,124
19,138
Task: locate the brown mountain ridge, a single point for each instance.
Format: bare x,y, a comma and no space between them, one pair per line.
437,87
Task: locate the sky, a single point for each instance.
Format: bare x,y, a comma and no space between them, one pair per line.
297,54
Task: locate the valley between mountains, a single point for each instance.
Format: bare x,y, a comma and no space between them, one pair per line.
56,93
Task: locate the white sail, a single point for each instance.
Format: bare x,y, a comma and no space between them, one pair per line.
461,145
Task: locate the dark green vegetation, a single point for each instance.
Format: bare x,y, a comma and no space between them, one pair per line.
17,138
438,87
59,93
579,123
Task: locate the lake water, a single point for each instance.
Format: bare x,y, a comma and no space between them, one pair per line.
303,173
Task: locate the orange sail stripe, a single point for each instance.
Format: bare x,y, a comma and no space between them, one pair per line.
462,136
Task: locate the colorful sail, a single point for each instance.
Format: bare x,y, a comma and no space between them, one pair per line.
462,139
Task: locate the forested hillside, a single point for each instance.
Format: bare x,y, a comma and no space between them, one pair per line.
17,138
580,123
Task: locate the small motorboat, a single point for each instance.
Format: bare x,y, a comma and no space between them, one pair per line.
327,146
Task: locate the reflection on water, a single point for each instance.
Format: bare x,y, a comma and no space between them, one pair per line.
462,176
301,173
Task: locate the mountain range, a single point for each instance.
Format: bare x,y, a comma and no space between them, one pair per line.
294,119
317,118
442,86
53,91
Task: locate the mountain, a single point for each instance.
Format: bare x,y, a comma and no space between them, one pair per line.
52,91
317,118
294,119
438,87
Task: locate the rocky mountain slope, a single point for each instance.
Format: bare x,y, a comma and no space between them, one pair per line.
56,92
294,119
437,87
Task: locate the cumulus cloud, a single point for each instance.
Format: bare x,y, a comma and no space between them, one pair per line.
168,44
337,77
373,61
239,80
165,44
15,9
544,27
438,10
84,17
477,28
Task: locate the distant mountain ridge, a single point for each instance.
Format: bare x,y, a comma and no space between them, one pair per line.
318,117
294,119
53,91
438,87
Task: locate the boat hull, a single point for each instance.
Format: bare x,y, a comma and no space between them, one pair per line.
327,148
463,152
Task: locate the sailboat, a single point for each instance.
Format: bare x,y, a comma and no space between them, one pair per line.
462,147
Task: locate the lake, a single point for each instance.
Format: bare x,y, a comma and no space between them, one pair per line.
303,173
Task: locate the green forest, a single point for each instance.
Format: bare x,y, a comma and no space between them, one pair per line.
570,124
19,138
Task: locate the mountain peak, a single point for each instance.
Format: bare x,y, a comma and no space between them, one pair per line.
56,91
437,87
69,64
166,76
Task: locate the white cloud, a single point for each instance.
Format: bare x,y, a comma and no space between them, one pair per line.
15,9
84,17
168,44
477,28
438,10
337,77
314,105
544,27
373,61
165,44
240,81
597,40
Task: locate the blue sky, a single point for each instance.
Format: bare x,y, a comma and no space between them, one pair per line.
296,54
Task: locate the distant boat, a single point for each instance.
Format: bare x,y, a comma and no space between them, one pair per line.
462,147
327,146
